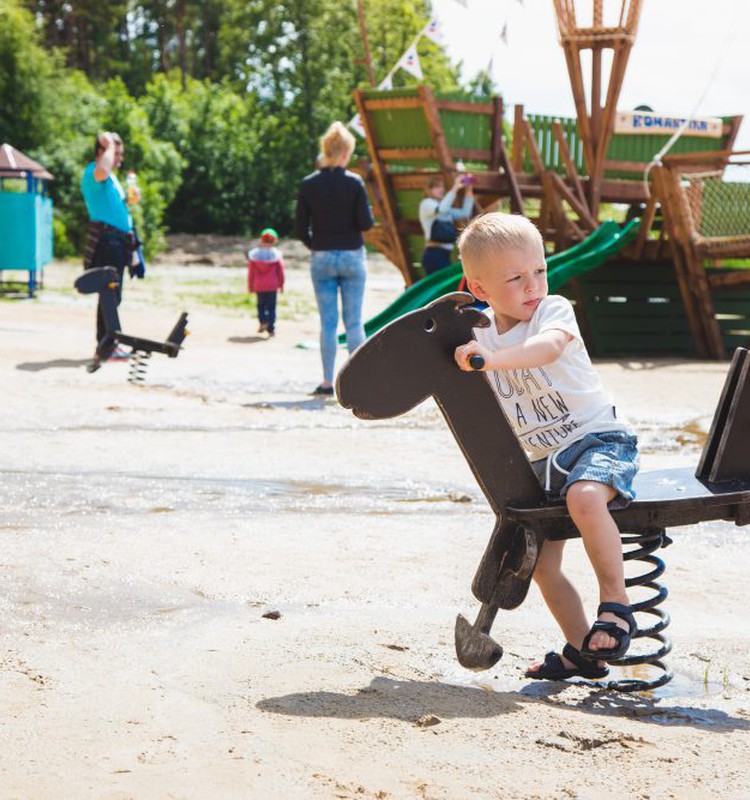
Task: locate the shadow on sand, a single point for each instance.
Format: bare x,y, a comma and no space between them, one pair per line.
412,700
247,339
57,363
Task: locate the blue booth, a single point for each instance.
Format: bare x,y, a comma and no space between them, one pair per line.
25,218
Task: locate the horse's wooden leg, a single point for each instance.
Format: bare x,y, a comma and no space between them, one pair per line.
505,571
510,557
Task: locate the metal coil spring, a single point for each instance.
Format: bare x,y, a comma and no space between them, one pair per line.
138,366
644,545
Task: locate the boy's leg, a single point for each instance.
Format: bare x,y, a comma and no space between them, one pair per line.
271,312
262,311
587,505
560,595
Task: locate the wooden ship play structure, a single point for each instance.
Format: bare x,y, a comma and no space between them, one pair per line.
675,284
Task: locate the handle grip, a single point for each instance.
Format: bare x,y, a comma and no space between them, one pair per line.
476,362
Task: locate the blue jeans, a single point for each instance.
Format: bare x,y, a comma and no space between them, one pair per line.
609,457
333,271
267,309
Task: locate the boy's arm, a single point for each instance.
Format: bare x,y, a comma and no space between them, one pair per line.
281,273
536,351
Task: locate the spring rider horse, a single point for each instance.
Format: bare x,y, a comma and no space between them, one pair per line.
105,281
412,359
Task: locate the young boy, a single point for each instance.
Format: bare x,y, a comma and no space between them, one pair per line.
539,368
265,276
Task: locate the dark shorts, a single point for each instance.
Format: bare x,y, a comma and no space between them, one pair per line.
610,457
435,258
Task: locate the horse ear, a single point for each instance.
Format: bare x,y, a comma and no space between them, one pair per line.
463,302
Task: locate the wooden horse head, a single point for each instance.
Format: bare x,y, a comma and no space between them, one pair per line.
410,359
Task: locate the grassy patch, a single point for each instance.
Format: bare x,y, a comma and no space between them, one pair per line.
290,304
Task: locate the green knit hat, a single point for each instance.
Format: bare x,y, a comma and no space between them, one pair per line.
269,236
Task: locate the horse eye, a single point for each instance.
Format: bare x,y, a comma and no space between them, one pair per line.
429,325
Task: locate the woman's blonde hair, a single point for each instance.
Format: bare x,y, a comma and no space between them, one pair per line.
336,142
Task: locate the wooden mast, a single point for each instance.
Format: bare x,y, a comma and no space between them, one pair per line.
596,119
365,43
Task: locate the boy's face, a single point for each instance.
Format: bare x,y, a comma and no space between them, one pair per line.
512,281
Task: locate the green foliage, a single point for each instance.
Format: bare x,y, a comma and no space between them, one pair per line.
157,163
392,26
27,79
220,103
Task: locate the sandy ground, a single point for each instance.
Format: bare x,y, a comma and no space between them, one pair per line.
218,586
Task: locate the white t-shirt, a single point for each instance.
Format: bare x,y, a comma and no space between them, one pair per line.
553,406
431,209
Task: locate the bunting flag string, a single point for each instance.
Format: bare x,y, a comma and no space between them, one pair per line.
432,31
355,123
409,61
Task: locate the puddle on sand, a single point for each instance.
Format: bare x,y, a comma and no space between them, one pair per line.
30,494
687,438
642,705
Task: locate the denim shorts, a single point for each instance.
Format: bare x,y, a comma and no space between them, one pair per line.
610,457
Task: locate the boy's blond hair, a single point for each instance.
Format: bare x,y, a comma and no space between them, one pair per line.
336,142
486,234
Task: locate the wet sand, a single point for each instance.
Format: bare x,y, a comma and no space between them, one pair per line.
219,586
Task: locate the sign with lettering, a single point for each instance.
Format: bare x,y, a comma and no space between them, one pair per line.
649,122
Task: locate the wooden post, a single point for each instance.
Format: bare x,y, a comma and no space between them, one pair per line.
646,223
597,124
518,139
399,245
551,198
500,160
365,42
435,126
691,276
582,208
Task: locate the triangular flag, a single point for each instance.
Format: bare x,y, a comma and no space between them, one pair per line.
432,31
386,83
355,123
504,33
410,62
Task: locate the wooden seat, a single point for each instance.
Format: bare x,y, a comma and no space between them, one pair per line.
104,281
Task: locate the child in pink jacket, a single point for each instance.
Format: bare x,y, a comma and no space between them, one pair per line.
265,276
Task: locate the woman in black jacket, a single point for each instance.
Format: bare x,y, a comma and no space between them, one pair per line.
332,213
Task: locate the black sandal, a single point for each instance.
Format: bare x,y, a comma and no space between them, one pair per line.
553,669
623,612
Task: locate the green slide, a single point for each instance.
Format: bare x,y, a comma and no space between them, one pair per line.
608,239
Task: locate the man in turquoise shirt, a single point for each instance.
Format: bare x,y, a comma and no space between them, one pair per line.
111,240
